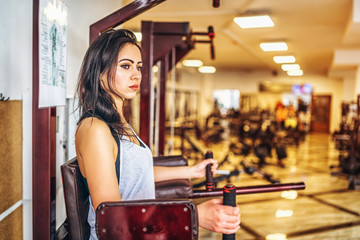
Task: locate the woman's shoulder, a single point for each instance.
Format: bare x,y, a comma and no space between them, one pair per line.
93,127
93,134
92,123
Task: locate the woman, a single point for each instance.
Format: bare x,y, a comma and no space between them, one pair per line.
110,74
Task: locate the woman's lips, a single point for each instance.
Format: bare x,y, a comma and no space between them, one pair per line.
134,87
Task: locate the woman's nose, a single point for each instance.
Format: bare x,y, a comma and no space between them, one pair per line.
136,75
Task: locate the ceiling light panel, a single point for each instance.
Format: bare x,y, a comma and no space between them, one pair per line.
192,63
284,59
295,72
273,46
207,69
254,21
288,67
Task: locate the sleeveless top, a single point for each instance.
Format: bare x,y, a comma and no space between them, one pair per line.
136,181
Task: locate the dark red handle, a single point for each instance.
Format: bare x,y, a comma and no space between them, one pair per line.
250,189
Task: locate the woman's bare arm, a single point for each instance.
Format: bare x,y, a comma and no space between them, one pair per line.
196,171
96,150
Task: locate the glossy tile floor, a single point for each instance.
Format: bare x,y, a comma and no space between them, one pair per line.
326,209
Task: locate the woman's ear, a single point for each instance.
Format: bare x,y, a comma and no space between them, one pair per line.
103,81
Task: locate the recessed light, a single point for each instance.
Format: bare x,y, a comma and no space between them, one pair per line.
274,46
254,21
284,59
289,194
192,63
295,72
288,67
276,236
207,69
283,213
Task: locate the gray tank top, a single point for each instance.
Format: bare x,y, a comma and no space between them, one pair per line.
136,176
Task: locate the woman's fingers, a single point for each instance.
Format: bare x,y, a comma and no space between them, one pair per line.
230,231
233,219
219,218
200,168
212,161
226,219
227,224
232,211
214,167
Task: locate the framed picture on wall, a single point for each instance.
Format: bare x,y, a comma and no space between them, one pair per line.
52,53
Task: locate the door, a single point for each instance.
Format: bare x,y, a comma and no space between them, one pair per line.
320,113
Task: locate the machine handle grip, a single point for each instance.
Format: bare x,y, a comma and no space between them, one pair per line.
229,194
212,50
211,33
209,176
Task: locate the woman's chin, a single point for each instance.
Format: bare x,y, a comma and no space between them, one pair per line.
130,96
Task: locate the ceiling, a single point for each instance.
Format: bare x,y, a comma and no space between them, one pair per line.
313,29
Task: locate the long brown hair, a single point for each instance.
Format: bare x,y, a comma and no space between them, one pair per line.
102,57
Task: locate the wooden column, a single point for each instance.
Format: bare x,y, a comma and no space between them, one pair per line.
159,38
147,45
41,147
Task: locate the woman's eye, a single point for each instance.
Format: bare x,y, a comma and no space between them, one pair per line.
125,66
139,68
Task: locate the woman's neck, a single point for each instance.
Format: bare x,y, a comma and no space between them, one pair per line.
119,106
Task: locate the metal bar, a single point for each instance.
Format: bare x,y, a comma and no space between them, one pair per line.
171,36
172,118
171,28
152,110
168,34
200,33
157,96
250,189
162,120
202,41
120,16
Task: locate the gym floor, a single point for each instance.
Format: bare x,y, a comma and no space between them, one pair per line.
326,209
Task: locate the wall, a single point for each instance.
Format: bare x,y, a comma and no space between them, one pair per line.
16,48
349,92
16,83
82,13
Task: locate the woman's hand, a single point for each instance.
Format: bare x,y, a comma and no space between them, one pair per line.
198,170
219,218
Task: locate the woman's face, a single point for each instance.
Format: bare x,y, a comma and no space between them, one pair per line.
128,72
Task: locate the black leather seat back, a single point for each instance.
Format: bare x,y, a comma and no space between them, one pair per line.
76,200
170,161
